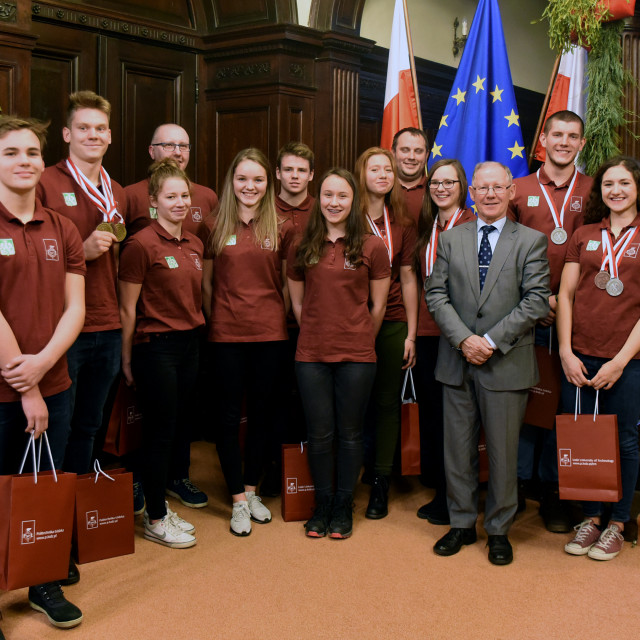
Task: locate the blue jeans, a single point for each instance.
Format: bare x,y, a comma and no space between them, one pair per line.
13,439
530,435
623,400
334,397
94,362
165,370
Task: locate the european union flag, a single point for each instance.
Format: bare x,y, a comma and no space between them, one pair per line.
481,120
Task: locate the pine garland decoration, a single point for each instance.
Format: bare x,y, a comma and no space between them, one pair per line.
574,19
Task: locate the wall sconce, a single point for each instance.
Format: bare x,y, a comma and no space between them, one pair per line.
458,43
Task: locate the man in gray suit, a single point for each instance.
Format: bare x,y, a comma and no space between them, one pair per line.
489,287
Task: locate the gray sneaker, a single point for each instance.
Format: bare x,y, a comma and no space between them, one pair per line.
587,535
240,519
259,513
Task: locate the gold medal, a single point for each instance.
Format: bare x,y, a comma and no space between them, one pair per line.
119,231
601,279
105,226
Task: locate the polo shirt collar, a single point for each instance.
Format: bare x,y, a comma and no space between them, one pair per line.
163,233
605,223
545,179
419,185
38,214
285,206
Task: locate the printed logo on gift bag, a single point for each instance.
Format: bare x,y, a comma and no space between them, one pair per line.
292,485
92,519
28,532
565,457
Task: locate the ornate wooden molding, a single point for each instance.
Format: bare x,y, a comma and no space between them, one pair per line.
8,11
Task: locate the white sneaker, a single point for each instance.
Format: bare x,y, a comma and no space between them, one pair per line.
187,527
240,519
166,533
259,513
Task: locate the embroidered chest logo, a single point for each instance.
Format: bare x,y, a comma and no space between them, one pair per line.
231,241
6,247
593,245
196,214
51,249
196,261
632,251
266,244
348,265
153,213
70,199
172,262
576,204
533,201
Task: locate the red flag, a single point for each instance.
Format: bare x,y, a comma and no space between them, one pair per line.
569,90
401,107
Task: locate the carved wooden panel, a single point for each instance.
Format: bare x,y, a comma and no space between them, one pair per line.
147,86
337,15
231,13
64,61
7,87
631,101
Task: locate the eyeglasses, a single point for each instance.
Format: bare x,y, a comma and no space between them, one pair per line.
447,184
170,146
498,190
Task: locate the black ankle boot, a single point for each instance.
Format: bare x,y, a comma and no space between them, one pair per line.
318,524
377,507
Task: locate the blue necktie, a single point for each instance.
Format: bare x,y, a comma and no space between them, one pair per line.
485,254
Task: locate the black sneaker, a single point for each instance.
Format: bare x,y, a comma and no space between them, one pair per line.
73,577
341,524
138,499
49,599
187,493
318,524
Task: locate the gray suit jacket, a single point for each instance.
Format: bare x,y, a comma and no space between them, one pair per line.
515,296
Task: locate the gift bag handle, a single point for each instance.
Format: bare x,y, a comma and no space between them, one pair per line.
408,376
36,467
98,469
579,408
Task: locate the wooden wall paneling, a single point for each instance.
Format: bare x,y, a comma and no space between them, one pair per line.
64,60
630,144
16,45
338,15
233,14
147,86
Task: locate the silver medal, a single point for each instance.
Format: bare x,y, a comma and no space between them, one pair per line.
615,287
558,236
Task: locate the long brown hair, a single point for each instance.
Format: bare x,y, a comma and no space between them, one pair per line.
394,198
429,209
313,241
596,209
265,223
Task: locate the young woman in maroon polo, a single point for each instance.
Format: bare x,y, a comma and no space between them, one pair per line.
443,209
599,335
160,285
245,300
339,282
383,210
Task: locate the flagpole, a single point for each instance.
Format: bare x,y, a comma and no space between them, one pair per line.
545,106
414,77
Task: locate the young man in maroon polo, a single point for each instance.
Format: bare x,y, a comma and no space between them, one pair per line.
80,189
41,267
172,141
294,170
409,147
551,200
168,141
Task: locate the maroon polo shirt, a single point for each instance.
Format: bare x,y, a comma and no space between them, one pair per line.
602,323
170,272
59,191
335,325
404,246
140,212
299,215
530,208
34,261
414,196
426,324
247,303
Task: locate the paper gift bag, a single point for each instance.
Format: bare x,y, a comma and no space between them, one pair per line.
589,457
35,527
103,522
124,433
410,430
298,492
544,397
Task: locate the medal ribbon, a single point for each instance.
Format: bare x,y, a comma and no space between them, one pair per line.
104,201
617,251
388,240
432,247
558,220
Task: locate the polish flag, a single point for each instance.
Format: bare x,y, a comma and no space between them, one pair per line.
401,106
570,89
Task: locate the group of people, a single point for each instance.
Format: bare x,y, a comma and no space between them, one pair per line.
386,271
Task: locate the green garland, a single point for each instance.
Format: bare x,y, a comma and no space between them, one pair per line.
583,20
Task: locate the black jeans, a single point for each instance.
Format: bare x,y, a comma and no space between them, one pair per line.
165,371
335,397
254,367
